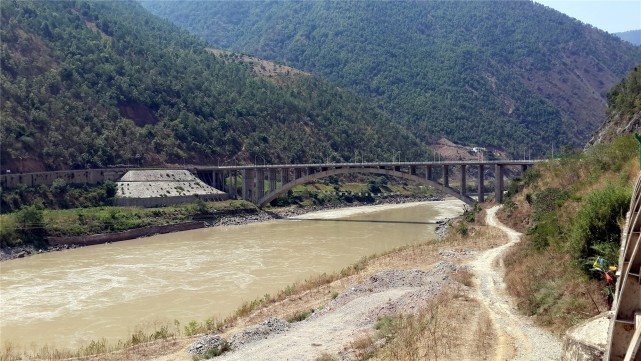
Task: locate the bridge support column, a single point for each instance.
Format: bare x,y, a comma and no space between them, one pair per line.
284,176
498,186
463,180
234,184
523,169
298,173
219,180
413,170
248,184
428,173
271,177
481,196
260,184
446,175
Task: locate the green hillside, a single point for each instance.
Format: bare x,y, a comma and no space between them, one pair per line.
571,211
493,73
96,84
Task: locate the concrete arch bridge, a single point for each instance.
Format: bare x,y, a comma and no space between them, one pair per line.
262,184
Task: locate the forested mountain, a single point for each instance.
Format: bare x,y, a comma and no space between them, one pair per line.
624,110
632,36
95,84
491,73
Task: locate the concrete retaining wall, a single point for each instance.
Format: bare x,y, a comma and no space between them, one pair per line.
85,176
167,201
125,235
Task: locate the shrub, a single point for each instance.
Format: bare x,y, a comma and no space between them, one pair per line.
597,224
30,226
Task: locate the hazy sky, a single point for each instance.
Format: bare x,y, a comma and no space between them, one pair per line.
612,16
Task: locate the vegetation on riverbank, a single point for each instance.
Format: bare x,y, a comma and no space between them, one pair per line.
63,210
571,211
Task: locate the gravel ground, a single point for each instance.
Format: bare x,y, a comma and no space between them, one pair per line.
353,313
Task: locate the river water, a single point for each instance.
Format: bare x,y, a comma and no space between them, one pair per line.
66,299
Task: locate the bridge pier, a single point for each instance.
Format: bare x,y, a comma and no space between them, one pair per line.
284,176
498,186
248,184
463,183
234,184
481,196
446,175
298,173
428,173
271,178
260,184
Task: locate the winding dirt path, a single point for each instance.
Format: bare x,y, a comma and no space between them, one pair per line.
518,338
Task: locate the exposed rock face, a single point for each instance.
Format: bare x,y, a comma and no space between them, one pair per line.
616,125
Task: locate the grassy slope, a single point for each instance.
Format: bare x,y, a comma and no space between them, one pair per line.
549,272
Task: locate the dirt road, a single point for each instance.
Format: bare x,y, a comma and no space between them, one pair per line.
519,338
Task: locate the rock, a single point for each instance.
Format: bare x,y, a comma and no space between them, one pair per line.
21,254
587,341
207,343
259,332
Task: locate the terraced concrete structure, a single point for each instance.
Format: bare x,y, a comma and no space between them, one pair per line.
156,187
625,326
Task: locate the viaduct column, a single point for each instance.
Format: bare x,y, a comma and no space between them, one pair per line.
498,187
428,173
446,175
284,176
234,184
260,184
463,183
248,184
271,177
298,173
523,169
481,196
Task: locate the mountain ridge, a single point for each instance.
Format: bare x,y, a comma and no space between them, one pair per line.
514,74
96,84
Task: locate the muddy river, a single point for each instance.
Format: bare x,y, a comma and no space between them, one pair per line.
66,299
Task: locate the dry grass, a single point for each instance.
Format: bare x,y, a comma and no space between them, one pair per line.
546,285
441,331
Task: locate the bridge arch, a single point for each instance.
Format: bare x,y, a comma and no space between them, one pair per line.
369,170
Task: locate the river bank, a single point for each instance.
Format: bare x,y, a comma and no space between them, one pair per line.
217,218
195,275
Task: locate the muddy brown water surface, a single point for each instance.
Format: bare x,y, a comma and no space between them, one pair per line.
66,299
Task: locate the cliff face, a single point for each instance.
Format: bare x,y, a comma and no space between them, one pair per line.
616,125
624,110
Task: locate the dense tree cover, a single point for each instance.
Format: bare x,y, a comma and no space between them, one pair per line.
94,84
491,73
625,97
